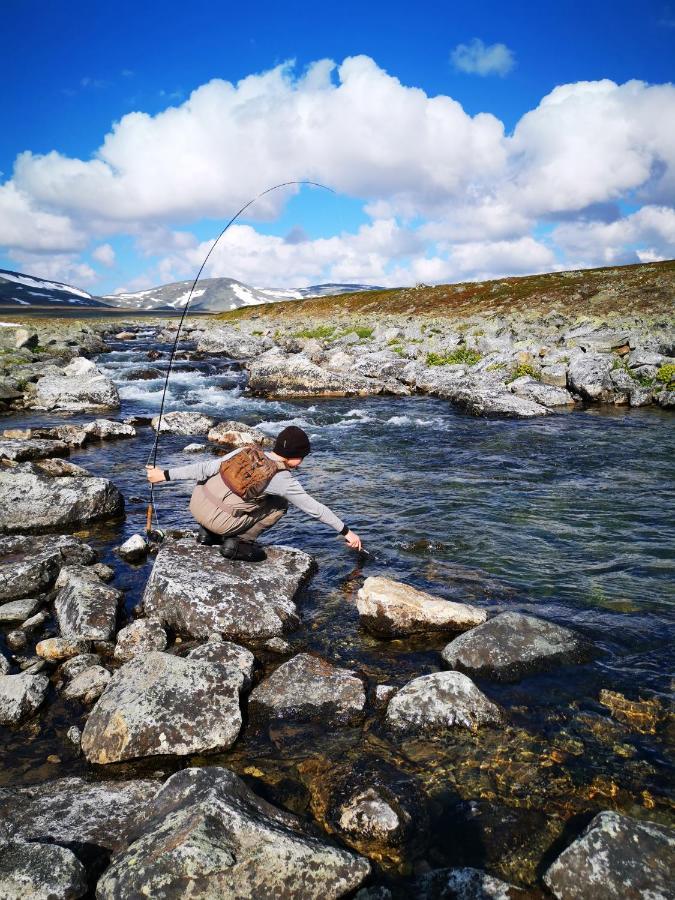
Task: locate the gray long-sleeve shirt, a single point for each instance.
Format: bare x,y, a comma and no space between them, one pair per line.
283,484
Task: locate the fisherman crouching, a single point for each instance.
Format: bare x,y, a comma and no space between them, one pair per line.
242,494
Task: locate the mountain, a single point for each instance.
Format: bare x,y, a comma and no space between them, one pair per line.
221,294
19,291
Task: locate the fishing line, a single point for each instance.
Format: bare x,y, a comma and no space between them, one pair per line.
152,510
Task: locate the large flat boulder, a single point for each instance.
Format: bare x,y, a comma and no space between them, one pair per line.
20,696
40,872
21,451
297,376
390,608
513,645
80,386
237,434
616,858
308,689
85,606
431,704
37,503
158,705
226,342
546,394
588,374
29,565
180,422
211,836
196,592
495,400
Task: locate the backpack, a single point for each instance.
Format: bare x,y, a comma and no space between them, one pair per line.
248,472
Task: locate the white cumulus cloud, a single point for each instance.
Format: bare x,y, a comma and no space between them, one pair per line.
105,254
477,58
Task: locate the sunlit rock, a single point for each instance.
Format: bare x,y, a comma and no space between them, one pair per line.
433,703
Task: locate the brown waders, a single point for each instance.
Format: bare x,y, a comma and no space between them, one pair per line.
222,512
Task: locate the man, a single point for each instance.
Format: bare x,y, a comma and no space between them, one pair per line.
226,519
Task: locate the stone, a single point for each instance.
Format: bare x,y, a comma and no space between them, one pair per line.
380,364
19,610
144,374
555,375
297,376
5,665
237,434
58,648
106,429
638,358
158,704
88,685
84,606
142,636
666,399
20,451
184,423
277,645
40,872
463,884
35,621
135,549
545,394
589,375
391,608
30,565
641,396
211,836
20,696
494,400
37,503
74,735
58,468
230,343
307,689
194,591
16,640
196,448
616,858
433,703
512,645
80,386
76,664
229,655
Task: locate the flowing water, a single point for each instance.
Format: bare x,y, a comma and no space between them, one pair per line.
569,517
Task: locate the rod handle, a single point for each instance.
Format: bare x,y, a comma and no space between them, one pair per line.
148,518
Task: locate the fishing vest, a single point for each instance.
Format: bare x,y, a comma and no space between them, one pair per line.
248,472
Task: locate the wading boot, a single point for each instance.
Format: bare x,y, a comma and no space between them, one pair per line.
208,538
235,548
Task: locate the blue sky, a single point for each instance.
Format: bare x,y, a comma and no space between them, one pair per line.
72,69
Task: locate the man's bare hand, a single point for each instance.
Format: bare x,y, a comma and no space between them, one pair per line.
353,540
154,475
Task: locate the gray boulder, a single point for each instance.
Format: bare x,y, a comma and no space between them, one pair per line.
210,836
76,664
88,685
616,858
495,400
463,884
80,386
554,374
306,689
135,549
158,704
226,342
589,375
433,703
195,592
666,399
181,422
5,665
85,606
231,656
297,376
237,434
40,872
380,364
390,608
106,429
19,610
141,636
546,394
513,645
30,565
58,648
20,696
37,503
20,451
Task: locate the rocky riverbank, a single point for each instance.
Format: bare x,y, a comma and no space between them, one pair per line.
434,782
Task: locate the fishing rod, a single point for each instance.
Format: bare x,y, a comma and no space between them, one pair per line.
157,533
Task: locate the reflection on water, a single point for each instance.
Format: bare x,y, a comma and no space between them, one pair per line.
568,517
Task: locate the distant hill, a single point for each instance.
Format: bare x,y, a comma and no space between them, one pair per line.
21,292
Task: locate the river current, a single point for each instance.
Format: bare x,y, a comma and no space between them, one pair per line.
568,517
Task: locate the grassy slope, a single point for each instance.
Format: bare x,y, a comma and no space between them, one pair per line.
645,290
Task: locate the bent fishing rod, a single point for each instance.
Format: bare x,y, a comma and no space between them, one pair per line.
157,533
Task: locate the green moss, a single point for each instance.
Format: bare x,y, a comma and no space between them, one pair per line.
363,331
666,373
394,342
462,355
493,367
524,369
320,332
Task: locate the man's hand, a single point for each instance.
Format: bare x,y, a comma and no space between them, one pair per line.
353,540
154,475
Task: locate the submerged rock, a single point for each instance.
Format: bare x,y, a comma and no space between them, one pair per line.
433,703
37,503
211,836
463,884
513,645
85,606
159,704
40,872
184,423
297,376
195,592
306,689
20,696
142,636
616,858
30,565
390,608
80,386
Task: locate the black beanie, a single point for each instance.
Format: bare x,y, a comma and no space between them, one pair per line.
292,442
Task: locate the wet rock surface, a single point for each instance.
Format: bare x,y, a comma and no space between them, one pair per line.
210,835
463,884
432,703
158,704
390,608
513,645
40,872
616,858
196,592
307,689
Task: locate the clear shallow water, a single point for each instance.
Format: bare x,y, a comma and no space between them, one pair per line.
568,517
